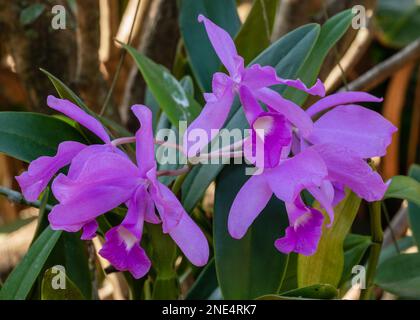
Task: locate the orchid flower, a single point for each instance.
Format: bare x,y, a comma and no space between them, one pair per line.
255,78
97,182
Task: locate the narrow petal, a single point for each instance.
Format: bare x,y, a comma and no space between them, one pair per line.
293,113
74,112
43,169
325,196
256,77
89,230
191,240
248,204
340,99
365,132
223,45
346,168
307,169
252,108
123,251
212,117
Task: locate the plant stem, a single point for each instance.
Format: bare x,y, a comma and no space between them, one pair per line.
17,197
375,249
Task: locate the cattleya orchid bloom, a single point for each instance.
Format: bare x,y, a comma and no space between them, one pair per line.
327,158
97,182
255,78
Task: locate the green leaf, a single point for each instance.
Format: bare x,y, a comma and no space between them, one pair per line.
31,13
255,34
20,281
414,207
15,225
391,251
27,136
168,92
355,247
317,291
249,267
205,284
400,275
398,22
204,61
69,291
405,188
326,265
287,55
331,32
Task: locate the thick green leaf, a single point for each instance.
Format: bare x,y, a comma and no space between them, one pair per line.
249,267
405,188
168,92
27,136
255,34
31,13
20,281
355,247
331,32
317,291
400,275
69,291
287,55
413,207
204,61
391,251
205,284
398,21
326,265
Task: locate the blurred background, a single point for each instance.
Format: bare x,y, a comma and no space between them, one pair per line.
382,58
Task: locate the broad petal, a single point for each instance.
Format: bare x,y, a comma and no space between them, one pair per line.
224,46
365,132
74,112
145,148
248,204
303,237
340,99
293,113
307,169
43,169
346,168
124,252
89,230
256,77
191,240
212,117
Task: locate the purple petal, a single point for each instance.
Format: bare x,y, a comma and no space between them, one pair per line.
89,230
74,112
248,204
191,240
293,113
340,99
325,196
252,108
365,132
145,147
307,169
123,251
346,168
213,116
303,236
256,77
43,169
224,46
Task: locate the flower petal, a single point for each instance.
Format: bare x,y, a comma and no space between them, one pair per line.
248,204
252,108
43,169
89,230
224,46
307,169
340,99
346,168
293,113
325,196
365,132
74,112
145,147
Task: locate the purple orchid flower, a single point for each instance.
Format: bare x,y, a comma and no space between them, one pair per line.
97,182
43,169
327,158
255,78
